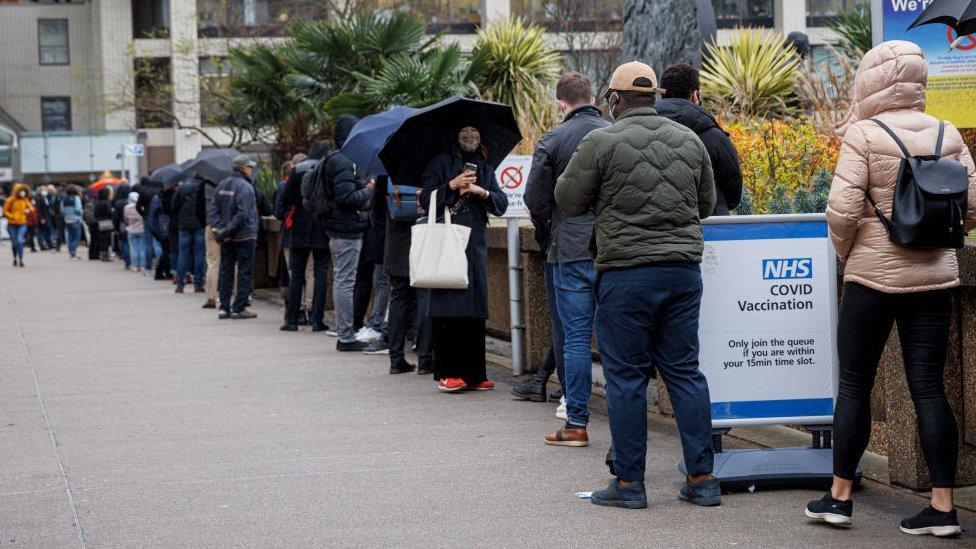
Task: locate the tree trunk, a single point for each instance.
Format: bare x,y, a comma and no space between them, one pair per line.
663,32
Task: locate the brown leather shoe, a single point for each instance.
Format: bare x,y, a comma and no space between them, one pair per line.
210,304
199,289
568,437
179,289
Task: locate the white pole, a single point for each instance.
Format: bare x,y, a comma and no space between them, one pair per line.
515,296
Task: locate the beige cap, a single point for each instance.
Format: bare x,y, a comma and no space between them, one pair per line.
635,76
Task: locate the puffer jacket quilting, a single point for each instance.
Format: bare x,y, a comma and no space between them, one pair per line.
650,182
889,86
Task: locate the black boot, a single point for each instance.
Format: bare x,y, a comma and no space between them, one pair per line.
534,388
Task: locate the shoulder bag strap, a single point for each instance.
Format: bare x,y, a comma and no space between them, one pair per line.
938,143
901,145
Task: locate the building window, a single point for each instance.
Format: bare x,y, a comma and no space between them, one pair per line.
6,148
822,12
571,15
449,16
743,13
153,93
52,41
56,114
150,18
214,74
219,18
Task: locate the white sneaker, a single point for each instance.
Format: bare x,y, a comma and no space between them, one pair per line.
332,333
561,409
367,335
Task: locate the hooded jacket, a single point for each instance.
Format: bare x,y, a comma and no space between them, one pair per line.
721,151
306,230
15,208
889,86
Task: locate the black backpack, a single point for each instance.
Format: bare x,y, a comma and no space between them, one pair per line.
931,199
317,190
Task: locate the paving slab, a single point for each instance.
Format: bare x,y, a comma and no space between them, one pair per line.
157,425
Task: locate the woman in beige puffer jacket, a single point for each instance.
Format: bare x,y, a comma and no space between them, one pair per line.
886,284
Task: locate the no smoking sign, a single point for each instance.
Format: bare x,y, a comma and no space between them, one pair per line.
511,176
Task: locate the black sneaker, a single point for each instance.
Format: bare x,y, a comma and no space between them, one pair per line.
288,328
631,496
934,522
556,395
351,346
532,389
223,314
320,328
378,348
830,510
243,315
402,368
706,493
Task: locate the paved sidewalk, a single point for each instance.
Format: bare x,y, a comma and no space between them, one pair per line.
129,417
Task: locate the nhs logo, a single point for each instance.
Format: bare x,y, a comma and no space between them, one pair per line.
794,267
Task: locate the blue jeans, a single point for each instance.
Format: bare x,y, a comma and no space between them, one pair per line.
74,236
240,256
649,316
555,324
137,250
193,256
17,235
574,283
124,249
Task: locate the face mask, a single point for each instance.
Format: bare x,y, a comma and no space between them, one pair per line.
469,140
21,194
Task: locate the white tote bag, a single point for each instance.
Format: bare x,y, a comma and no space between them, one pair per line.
437,258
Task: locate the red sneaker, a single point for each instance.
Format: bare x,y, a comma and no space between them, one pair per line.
452,385
485,385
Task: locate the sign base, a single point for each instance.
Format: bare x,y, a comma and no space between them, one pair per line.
764,468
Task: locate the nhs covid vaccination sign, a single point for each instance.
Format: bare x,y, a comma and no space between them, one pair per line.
768,320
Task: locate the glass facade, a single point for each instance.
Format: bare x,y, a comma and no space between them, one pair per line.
822,12
52,42
572,15
219,18
55,114
743,13
450,16
150,18
214,72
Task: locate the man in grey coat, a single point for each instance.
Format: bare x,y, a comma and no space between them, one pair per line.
233,216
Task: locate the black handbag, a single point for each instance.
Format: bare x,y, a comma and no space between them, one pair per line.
931,198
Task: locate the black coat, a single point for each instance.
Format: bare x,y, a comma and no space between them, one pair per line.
721,151
188,207
472,212
306,231
348,195
374,244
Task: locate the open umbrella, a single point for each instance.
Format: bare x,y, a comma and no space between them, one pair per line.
958,14
213,165
106,178
369,135
166,176
433,130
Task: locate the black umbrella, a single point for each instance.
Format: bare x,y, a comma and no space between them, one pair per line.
166,176
958,14
433,130
213,165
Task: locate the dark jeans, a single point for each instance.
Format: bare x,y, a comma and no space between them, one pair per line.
298,262
556,324
865,322
459,349
193,255
403,299
45,236
240,256
648,316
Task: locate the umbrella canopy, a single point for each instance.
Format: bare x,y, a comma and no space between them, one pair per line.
433,130
166,176
213,165
104,182
369,135
958,14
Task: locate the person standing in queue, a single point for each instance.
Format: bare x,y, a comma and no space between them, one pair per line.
16,208
649,245
464,182
234,218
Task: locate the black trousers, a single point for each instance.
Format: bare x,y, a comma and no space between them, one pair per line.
240,256
403,317
296,281
866,319
459,348
363,291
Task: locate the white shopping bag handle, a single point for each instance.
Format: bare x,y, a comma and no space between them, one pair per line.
432,219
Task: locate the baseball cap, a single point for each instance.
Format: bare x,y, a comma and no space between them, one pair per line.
634,76
243,161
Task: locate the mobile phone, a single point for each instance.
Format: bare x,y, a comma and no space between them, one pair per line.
470,167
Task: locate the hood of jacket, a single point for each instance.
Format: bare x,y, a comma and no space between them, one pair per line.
686,113
892,76
318,151
20,187
343,128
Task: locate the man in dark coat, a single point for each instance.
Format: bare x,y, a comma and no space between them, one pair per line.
190,215
306,236
682,103
234,217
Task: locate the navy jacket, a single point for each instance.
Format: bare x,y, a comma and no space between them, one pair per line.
349,198
721,151
157,222
233,213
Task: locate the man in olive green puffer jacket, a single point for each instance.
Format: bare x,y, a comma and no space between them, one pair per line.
649,180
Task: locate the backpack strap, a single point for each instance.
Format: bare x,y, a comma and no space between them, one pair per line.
901,145
888,225
938,143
